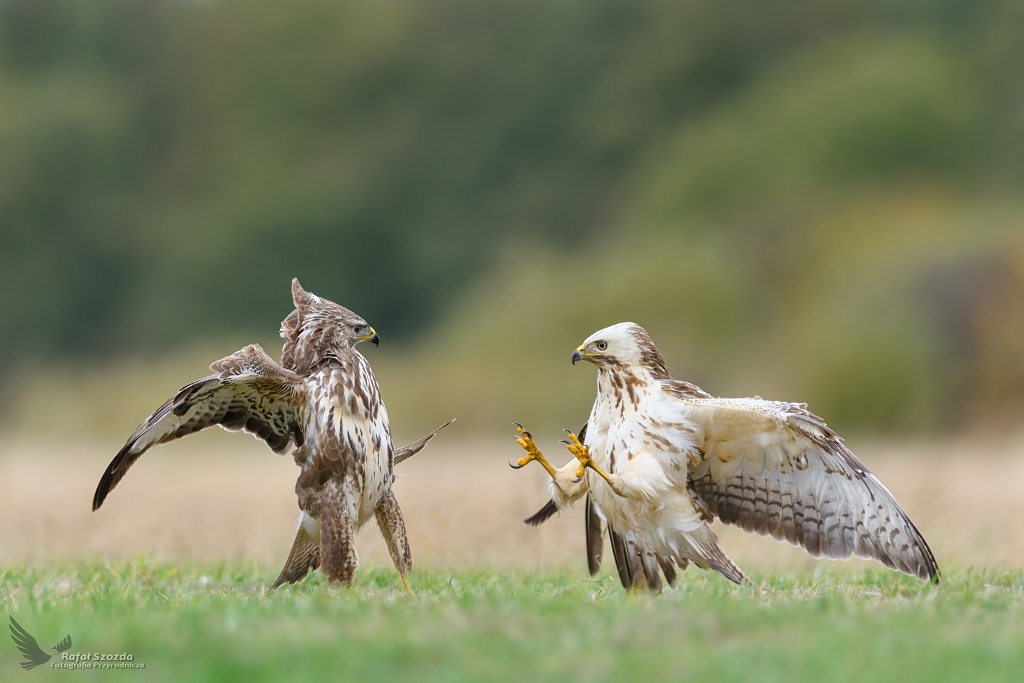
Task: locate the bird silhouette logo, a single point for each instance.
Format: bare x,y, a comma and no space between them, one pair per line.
34,655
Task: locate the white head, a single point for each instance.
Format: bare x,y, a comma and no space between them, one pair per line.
622,346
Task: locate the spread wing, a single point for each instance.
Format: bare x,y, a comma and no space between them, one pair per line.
777,470
249,392
28,646
406,452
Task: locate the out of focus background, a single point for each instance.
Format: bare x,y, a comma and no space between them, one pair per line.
821,202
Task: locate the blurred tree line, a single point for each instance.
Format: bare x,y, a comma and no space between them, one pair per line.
168,165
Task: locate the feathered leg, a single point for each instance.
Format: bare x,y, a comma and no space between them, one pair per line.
392,526
338,559
305,552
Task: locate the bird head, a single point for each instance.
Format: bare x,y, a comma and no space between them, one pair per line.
626,345
317,326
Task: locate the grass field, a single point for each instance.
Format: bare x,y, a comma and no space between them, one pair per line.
496,600
218,622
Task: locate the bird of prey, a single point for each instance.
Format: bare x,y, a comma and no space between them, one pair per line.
325,403
27,645
661,458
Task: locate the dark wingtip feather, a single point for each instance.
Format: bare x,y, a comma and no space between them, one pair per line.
111,476
542,515
594,540
667,569
622,564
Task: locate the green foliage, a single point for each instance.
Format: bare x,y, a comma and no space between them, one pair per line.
732,175
858,109
219,623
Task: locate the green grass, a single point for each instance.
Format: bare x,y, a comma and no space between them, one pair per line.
211,623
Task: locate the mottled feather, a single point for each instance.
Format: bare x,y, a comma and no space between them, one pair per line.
304,556
250,392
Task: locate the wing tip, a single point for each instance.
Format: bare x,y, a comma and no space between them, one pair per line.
542,515
110,479
102,489
407,451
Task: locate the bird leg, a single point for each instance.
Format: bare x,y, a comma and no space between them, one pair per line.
392,527
525,439
582,454
338,557
566,490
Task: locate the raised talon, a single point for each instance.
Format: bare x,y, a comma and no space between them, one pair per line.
582,454
525,440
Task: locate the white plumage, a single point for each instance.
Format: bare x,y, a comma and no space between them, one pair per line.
661,459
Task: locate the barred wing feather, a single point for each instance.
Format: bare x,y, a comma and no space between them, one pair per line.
250,392
777,470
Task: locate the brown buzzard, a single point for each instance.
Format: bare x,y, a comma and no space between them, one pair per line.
324,401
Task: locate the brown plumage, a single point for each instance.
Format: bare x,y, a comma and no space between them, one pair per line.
324,401
304,555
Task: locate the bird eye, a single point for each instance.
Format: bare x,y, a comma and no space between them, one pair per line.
602,345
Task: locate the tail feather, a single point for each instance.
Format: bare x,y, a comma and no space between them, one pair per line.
304,555
648,563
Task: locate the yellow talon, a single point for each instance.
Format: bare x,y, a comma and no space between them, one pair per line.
408,588
582,453
525,441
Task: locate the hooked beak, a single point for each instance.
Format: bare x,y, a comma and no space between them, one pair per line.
579,354
373,337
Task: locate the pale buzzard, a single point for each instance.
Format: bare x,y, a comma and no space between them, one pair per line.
666,458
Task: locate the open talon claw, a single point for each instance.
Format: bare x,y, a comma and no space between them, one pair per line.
525,441
582,454
522,430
